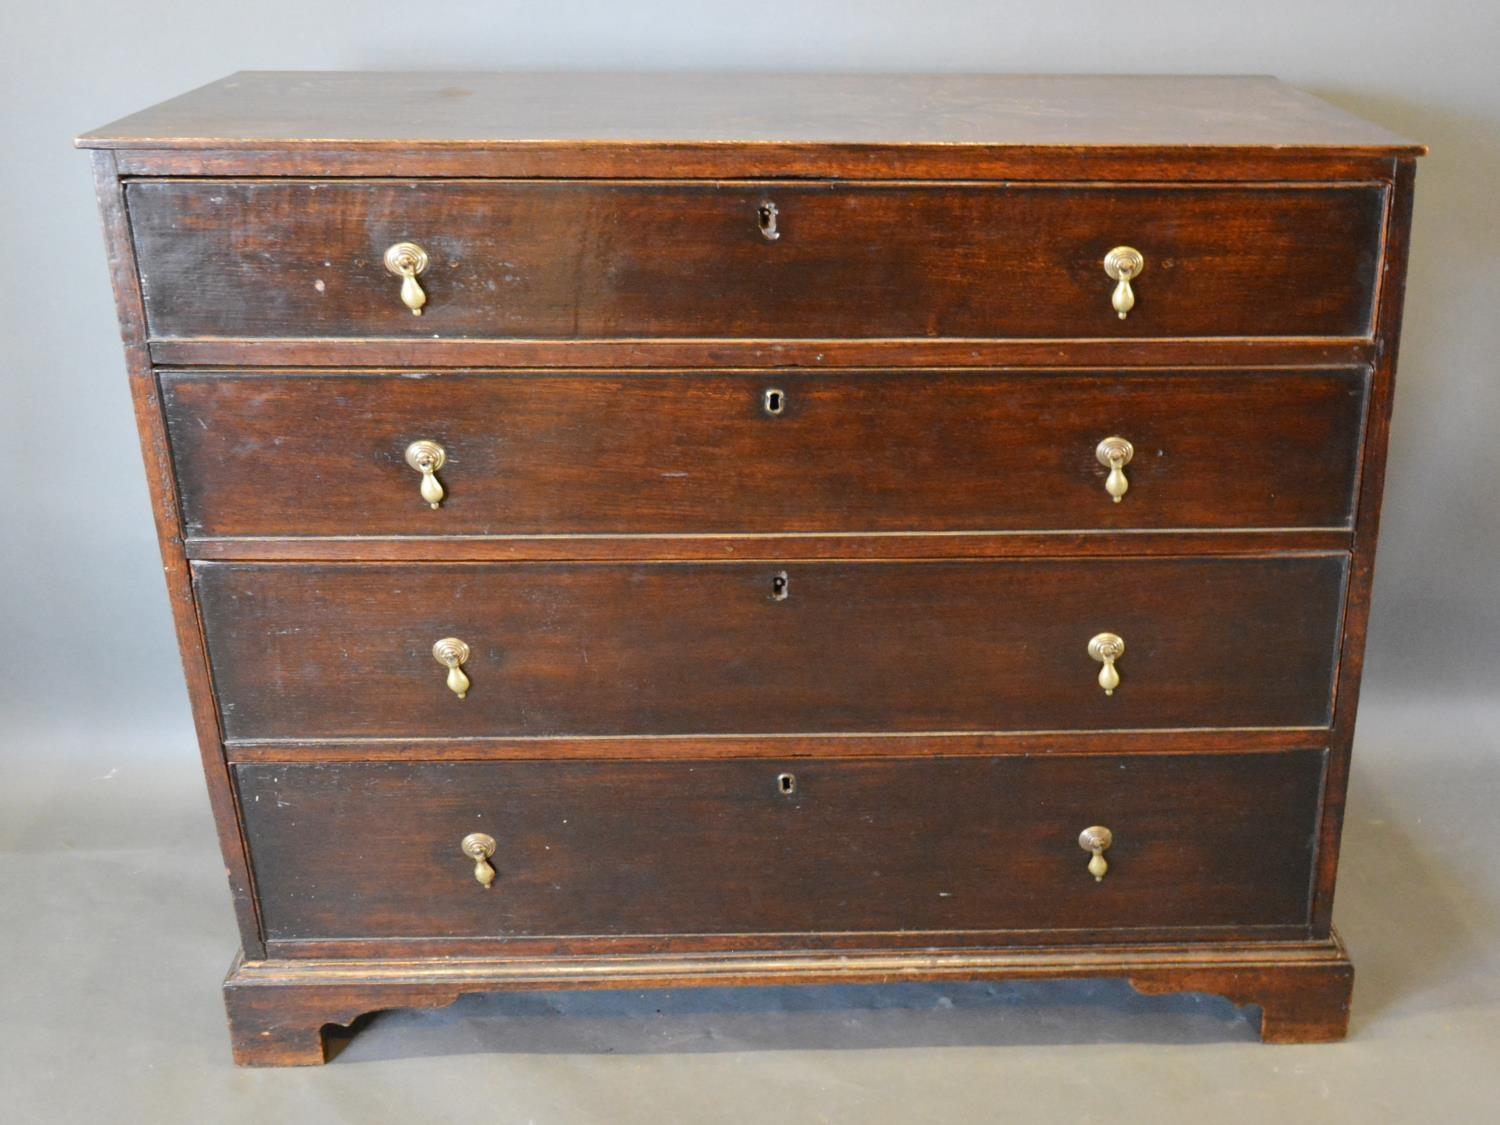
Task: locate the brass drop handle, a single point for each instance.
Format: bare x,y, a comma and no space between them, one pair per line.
1114,453
427,457
453,654
1122,264
479,847
406,260
1096,841
1107,648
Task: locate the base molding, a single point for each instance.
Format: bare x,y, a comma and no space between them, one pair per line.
279,1010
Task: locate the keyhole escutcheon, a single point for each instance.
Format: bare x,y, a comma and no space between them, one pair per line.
773,401
766,213
779,586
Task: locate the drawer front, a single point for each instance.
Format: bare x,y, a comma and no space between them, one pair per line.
346,650
560,259
370,850
762,452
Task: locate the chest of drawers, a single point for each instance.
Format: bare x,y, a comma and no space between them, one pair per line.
693,530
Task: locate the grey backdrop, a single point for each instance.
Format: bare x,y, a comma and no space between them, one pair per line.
86,626
98,784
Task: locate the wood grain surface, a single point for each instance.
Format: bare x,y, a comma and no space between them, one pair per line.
699,453
336,109
574,259
592,848
328,651
279,1010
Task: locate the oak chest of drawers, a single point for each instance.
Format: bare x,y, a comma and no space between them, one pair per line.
644,531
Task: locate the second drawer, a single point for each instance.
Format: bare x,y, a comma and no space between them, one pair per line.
308,651
764,452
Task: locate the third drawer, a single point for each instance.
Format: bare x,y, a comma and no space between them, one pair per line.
309,454
310,651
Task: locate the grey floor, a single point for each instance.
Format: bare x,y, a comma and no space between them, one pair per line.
115,930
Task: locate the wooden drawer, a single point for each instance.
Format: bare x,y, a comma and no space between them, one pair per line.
761,452
576,259
371,850
303,651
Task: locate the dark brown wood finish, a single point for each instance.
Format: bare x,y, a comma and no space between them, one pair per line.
279,1010
1372,491
702,453
937,283
161,481
730,944
892,745
589,848
621,355
595,112
715,162
338,651
781,549
560,259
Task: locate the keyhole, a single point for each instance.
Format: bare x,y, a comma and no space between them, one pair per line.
779,587
774,401
787,783
767,215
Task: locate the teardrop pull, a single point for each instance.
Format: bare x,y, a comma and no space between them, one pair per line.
1122,265
452,653
1096,840
1109,679
1114,453
406,260
458,683
427,457
432,489
1107,648
413,297
479,847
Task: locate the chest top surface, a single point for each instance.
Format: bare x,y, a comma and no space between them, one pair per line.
331,110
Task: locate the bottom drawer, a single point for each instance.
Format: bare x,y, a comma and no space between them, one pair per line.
617,848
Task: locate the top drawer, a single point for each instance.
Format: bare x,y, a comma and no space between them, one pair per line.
601,260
